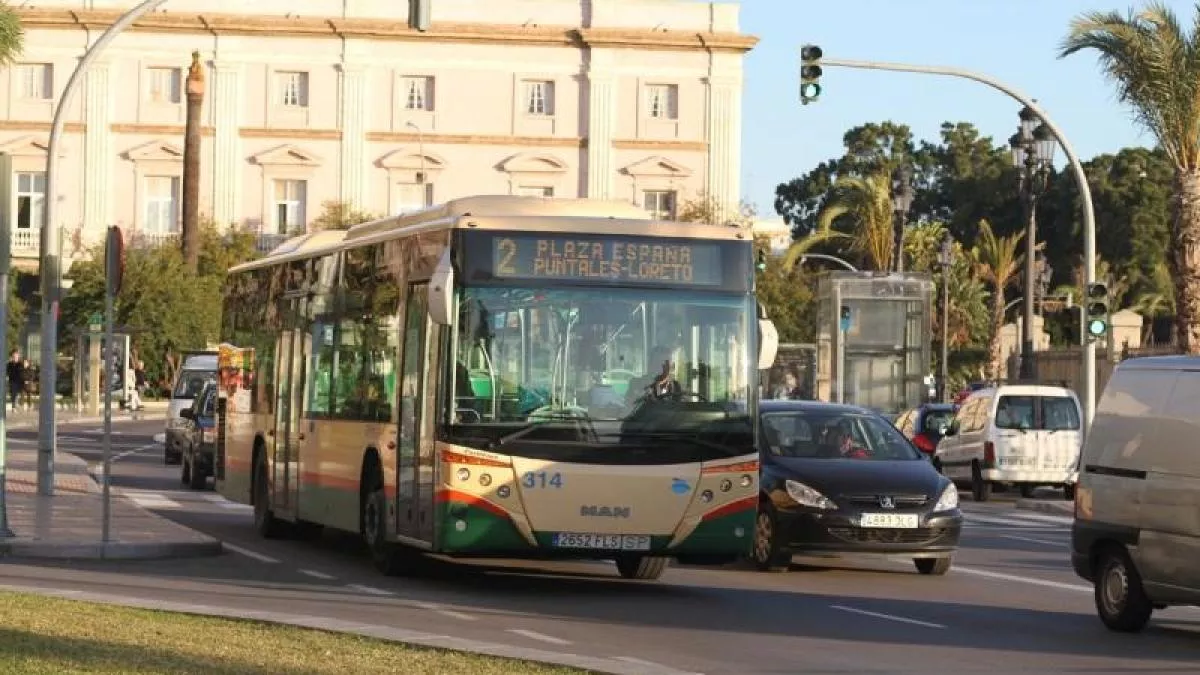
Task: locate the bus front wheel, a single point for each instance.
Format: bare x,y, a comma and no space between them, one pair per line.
645,567
264,519
387,556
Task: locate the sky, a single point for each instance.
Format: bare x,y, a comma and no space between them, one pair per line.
1016,41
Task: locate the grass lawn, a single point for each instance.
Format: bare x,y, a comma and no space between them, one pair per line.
50,635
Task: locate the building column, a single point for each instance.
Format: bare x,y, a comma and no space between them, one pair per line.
353,123
602,122
97,151
724,137
227,166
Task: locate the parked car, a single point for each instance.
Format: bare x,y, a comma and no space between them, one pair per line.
925,425
840,479
198,369
1136,534
1026,435
200,438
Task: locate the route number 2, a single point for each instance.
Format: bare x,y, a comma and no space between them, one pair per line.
541,479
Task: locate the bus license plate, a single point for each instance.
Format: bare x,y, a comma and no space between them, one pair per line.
890,520
607,542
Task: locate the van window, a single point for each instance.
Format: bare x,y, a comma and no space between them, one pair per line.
1050,413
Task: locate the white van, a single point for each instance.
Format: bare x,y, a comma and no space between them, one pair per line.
1027,435
1137,507
198,368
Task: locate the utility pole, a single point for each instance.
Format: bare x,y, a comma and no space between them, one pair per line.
190,235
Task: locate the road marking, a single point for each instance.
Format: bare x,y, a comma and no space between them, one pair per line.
1031,540
1060,520
369,590
534,635
650,664
445,612
132,452
249,554
160,437
1024,580
318,575
153,501
889,617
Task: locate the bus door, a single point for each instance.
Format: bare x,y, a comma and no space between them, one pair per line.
294,349
410,393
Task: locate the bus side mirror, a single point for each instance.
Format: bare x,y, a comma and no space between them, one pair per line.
768,343
441,291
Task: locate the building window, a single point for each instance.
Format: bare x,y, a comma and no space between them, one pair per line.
539,98
660,203
289,205
164,85
31,199
418,93
162,204
535,191
293,89
662,101
36,81
413,197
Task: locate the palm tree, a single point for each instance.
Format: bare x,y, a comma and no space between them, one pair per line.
805,245
867,201
12,37
997,261
1155,66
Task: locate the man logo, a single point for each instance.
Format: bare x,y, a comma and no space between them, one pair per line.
887,502
589,511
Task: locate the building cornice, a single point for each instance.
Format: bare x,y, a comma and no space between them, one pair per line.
383,29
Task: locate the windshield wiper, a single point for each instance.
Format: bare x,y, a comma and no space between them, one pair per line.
548,417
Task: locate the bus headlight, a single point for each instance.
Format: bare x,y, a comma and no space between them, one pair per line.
706,496
502,491
746,480
485,479
463,473
726,485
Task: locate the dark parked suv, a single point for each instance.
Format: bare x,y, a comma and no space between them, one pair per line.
198,436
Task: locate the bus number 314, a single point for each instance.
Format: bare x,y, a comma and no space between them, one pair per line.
541,479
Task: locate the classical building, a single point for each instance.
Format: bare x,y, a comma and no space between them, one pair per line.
341,100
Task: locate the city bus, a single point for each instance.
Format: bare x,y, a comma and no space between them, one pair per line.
506,377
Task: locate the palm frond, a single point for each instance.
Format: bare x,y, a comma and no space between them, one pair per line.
12,36
804,246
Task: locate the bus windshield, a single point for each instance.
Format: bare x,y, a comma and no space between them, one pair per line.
570,372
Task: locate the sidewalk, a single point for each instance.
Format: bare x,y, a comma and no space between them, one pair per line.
68,524
28,419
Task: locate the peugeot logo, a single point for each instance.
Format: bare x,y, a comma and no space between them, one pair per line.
887,502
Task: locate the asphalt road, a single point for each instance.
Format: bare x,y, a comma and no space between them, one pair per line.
1011,604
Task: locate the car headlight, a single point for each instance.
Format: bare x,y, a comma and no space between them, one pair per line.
949,499
806,496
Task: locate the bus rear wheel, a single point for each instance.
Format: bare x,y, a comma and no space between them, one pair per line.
645,567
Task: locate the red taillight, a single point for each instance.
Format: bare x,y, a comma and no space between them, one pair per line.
924,443
989,455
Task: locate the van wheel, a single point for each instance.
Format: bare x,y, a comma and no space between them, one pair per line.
646,567
1027,491
981,490
1121,600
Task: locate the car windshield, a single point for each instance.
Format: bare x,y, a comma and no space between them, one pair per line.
191,383
1045,413
549,372
822,434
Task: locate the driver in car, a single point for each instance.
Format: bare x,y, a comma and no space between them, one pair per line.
656,385
839,440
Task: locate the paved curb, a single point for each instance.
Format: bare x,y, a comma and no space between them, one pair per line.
1059,508
594,664
113,550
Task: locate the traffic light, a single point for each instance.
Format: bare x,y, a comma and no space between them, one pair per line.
1097,311
810,74
761,262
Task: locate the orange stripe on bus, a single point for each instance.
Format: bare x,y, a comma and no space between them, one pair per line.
329,480
459,458
450,495
740,467
743,504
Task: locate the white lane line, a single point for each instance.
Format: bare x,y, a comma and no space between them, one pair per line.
889,617
1046,518
249,554
369,590
972,519
534,635
1031,540
317,575
445,612
1023,580
160,437
133,451
147,501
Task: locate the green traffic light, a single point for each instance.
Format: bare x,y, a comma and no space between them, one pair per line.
1097,327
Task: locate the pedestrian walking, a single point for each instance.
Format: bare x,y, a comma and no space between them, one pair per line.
14,372
136,379
27,380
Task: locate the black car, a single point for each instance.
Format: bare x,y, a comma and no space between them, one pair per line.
840,479
925,425
198,435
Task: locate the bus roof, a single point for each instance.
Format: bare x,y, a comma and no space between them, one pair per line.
502,212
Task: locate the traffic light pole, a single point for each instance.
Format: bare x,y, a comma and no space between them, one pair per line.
1089,217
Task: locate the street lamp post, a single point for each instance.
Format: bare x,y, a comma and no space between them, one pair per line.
902,199
1032,152
946,261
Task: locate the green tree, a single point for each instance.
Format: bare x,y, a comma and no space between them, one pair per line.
337,215
1155,65
17,310
863,205
997,261
786,292
12,36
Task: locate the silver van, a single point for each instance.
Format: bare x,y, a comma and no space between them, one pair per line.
1136,534
198,369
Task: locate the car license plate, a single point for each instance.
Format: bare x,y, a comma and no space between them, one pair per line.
890,520
605,542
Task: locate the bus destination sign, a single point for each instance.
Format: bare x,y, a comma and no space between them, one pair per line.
606,259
